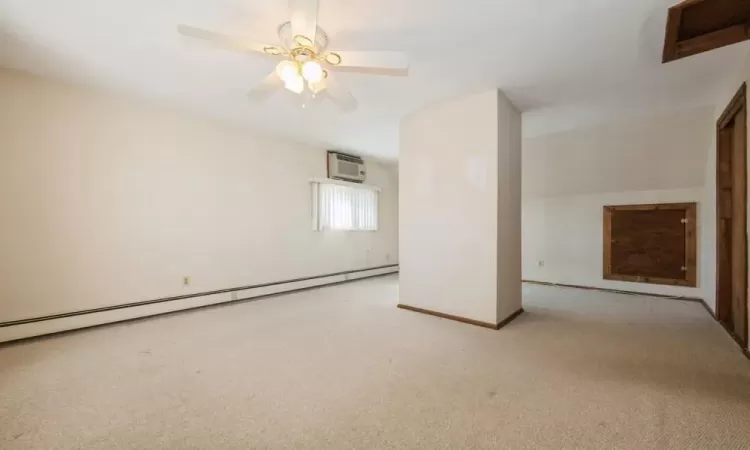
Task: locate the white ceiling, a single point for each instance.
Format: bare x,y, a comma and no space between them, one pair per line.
566,63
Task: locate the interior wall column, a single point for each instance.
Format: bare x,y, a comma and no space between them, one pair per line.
460,210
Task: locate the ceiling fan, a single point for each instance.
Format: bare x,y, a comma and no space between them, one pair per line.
307,64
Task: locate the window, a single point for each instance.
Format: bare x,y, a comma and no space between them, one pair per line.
338,206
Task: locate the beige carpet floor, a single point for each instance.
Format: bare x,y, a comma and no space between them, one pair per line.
343,368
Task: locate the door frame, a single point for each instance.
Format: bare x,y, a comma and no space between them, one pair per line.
723,141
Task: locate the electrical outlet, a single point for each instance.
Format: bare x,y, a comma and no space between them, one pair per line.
185,281
541,263
387,256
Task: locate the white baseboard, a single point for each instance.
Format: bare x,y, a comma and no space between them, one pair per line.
85,320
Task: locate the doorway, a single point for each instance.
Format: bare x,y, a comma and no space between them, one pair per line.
731,218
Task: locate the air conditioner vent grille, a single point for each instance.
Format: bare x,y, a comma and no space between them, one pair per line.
346,167
352,159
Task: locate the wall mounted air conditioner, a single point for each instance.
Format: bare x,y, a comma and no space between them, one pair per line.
346,167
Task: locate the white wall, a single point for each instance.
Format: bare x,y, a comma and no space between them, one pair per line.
569,177
450,223
108,200
661,152
565,235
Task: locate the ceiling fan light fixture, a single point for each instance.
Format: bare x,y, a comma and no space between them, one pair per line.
303,41
333,59
295,84
316,87
287,70
289,43
312,72
303,47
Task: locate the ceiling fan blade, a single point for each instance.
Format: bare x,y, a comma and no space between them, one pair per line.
304,19
270,84
338,94
374,62
228,42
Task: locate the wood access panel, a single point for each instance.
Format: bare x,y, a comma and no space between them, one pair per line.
696,26
650,243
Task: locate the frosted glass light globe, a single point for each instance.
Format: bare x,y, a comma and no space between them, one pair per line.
287,70
317,87
295,84
312,71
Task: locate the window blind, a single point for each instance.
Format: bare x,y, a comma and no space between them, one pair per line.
346,208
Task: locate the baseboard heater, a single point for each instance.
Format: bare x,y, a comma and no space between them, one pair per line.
37,326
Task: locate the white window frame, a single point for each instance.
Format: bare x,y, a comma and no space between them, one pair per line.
315,184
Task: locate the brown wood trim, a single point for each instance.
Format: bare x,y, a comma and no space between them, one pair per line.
685,3
691,257
649,280
607,242
734,337
509,319
705,306
688,299
674,17
691,246
737,102
710,41
651,206
619,291
478,323
721,141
